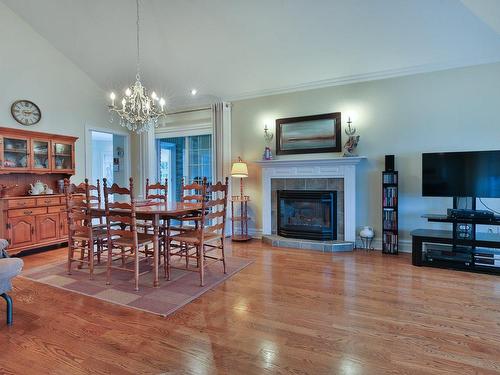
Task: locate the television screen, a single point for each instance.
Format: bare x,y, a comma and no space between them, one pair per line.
461,174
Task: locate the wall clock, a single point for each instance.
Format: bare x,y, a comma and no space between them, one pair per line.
25,112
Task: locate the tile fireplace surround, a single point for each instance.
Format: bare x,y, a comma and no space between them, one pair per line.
332,168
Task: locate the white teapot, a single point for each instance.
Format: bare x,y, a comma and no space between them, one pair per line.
38,188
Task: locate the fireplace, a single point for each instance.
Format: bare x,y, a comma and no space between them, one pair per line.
307,214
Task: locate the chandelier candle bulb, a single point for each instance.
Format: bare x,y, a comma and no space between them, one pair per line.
112,97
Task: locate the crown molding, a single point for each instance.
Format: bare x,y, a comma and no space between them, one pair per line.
366,77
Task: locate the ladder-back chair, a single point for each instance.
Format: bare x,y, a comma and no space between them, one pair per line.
206,236
82,234
124,241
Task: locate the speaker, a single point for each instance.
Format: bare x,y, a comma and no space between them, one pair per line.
389,162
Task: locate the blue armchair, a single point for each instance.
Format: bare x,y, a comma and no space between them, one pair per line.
9,268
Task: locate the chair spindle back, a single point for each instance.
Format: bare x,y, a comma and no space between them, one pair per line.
193,192
157,191
120,216
213,212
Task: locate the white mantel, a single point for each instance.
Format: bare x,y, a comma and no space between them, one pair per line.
338,167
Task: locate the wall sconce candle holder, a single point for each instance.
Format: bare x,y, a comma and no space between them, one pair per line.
352,140
268,137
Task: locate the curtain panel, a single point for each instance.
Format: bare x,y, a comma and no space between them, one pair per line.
221,140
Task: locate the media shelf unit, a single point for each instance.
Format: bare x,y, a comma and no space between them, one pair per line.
448,249
390,212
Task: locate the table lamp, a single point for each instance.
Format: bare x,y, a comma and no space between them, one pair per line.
240,170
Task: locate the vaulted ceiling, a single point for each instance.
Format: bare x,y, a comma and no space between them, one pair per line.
240,48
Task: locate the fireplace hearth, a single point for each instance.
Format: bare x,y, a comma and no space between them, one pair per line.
307,214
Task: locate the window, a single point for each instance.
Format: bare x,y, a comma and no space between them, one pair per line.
184,157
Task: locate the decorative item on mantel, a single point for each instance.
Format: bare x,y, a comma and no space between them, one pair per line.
268,137
240,170
138,112
366,234
352,141
308,134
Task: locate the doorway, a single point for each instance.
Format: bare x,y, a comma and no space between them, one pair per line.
109,157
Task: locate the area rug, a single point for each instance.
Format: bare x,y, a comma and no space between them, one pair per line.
183,287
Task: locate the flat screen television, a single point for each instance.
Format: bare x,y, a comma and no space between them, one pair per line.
461,174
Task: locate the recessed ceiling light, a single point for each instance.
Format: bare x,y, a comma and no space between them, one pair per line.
194,92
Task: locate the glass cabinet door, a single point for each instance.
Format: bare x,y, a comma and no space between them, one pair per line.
15,153
40,150
63,157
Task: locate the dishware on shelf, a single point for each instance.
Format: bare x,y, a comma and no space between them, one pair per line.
60,186
38,188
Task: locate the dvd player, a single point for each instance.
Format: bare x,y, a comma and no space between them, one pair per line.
455,213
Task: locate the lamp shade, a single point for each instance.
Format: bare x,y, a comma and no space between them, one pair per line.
239,169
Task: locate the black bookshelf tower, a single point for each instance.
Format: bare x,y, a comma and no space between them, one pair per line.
389,207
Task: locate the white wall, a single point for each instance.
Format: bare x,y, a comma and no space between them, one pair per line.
30,68
442,111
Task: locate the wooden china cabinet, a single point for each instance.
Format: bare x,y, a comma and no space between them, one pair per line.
32,221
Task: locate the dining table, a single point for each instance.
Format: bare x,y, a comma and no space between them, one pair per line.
155,211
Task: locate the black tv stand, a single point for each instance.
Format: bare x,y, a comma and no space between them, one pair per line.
452,249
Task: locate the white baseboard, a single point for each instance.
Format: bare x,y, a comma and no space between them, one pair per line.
255,233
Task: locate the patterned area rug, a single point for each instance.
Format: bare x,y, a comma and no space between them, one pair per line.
183,287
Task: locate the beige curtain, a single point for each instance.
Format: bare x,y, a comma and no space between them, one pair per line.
221,140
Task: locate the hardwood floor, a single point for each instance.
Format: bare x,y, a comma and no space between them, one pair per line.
291,311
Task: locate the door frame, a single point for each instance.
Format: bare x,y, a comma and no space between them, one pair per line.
88,147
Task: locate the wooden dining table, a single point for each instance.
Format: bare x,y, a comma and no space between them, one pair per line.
154,212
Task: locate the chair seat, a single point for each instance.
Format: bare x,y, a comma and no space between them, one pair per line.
191,236
9,268
142,239
98,234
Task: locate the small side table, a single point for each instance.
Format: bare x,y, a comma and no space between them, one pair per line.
242,218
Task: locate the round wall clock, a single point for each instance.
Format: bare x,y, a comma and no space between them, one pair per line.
25,112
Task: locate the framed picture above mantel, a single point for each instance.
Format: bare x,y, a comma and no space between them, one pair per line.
308,134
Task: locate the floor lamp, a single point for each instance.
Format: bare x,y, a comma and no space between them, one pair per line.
240,170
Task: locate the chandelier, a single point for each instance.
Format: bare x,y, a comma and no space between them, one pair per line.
139,111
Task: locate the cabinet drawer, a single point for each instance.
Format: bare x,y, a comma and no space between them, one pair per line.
27,211
54,209
48,201
19,203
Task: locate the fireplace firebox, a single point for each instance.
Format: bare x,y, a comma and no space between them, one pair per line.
307,214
